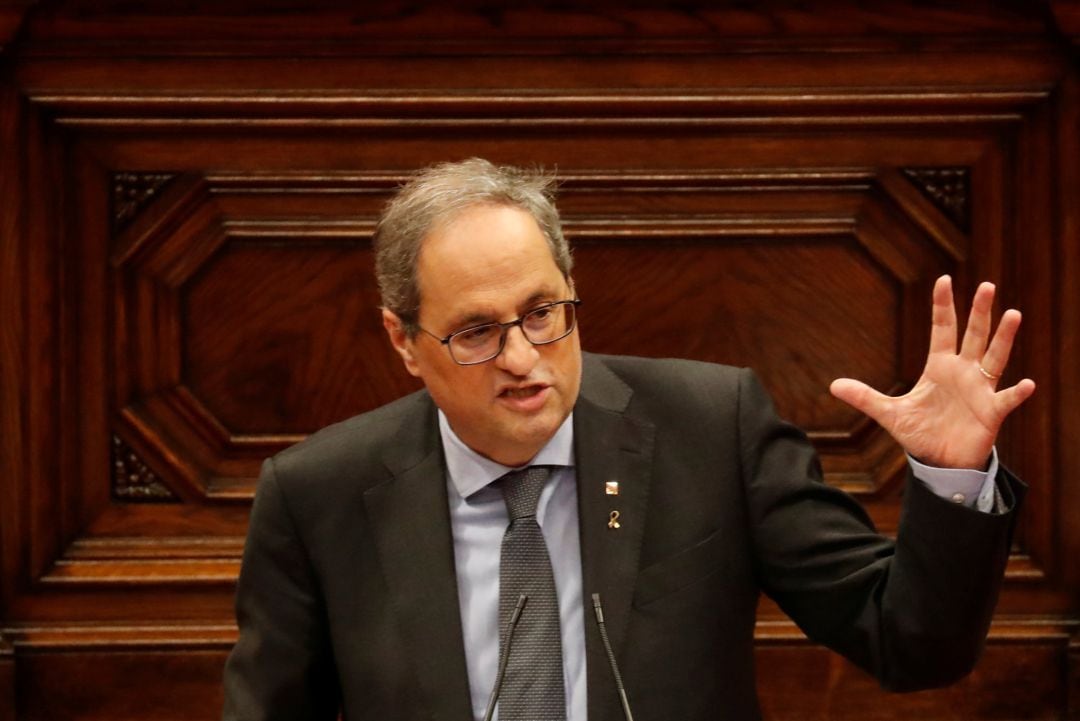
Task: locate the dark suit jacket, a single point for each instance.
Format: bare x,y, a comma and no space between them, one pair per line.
348,595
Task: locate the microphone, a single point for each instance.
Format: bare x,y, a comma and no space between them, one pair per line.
505,656
599,611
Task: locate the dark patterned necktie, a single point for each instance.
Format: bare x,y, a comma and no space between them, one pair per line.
533,687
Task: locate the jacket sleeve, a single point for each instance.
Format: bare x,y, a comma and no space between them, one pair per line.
282,666
914,612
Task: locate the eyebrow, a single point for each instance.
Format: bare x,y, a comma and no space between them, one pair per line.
477,318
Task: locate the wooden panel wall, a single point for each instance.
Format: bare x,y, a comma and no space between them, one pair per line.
187,194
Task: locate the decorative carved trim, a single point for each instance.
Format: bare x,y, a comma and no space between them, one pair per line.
132,478
947,188
132,192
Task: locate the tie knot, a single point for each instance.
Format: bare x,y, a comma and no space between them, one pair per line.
521,490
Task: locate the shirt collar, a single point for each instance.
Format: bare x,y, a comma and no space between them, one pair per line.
470,472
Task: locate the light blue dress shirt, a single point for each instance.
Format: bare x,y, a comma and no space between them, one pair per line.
478,520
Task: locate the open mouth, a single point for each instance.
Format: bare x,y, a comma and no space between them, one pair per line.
526,399
519,393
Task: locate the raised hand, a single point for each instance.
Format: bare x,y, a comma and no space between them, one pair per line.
951,417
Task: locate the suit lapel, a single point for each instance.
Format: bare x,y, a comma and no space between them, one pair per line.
410,519
609,446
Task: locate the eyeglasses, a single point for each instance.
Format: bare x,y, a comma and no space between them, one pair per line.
540,326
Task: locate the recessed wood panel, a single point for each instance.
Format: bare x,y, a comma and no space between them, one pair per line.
812,308
284,337
249,323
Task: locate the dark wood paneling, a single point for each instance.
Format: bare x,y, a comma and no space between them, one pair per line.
186,203
117,685
12,13
788,673
131,678
397,29
12,343
7,681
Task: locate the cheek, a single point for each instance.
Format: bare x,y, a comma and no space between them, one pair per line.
569,365
462,389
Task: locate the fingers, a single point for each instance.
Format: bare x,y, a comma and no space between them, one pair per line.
991,355
861,397
943,318
978,327
997,354
1010,398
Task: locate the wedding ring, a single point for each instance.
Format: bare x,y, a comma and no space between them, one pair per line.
989,376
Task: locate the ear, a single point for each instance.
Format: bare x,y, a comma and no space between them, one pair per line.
401,341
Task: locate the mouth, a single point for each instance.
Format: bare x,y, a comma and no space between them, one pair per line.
525,398
525,392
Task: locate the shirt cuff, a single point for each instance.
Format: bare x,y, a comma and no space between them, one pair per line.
964,486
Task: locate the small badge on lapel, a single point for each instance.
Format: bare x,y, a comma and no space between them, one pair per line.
611,488
613,520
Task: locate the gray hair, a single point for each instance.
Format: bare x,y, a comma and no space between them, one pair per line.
434,197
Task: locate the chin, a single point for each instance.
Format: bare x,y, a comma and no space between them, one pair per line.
535,436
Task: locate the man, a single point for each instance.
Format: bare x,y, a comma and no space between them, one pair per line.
372,573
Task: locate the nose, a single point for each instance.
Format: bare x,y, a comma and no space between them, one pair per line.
518,356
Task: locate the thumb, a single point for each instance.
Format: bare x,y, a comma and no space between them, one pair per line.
861,397
1011,398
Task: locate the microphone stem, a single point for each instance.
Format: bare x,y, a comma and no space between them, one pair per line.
599,611
505,656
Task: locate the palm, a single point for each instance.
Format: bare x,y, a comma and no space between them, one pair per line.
951,417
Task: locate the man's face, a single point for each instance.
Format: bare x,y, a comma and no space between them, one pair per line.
492,264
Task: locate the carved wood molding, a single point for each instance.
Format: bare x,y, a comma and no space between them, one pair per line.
330,28
125,561
949,189
132,637
198,423
132,478
195,430
131,192
779,108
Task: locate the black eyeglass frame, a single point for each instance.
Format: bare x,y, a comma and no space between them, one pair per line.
504,328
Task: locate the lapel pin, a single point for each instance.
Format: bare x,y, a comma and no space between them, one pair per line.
611,488
613,520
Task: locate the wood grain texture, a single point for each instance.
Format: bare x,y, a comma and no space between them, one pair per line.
187,196
128,673
1067,17
174,685
538,28
12,344
12,15
7,681
840,691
